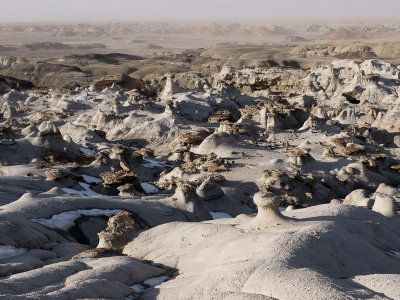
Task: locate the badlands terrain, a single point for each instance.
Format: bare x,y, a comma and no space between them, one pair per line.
258,162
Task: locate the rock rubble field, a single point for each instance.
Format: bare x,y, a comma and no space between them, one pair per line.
243,183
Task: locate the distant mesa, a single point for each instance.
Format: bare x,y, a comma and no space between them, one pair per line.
151,47
90,58
138,41
343,35
6,48
90,46
61,46
314,28
43,74
46,46
356,55
296,39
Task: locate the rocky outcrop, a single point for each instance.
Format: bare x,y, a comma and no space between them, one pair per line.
185,197
9,61
300,157
126,83
268,211
7,82
48,75
116,235
170,89
116,178
209,190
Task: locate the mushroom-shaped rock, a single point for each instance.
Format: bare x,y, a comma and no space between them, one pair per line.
209,190
268,210
195,136
117,178
182,155
127,189
125,156
184,192
53,174
300,156
119,229
185,197
120,149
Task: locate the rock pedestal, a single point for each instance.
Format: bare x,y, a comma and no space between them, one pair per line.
116,235
268,210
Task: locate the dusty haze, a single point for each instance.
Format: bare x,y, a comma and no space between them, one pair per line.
127,10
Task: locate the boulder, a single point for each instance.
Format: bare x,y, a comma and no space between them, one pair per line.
119,229
209,190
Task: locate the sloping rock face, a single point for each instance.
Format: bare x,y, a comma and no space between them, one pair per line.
244,261
14,83
126,82
48,75
79,279
93,58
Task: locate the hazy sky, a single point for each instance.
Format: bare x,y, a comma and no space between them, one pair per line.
131,10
